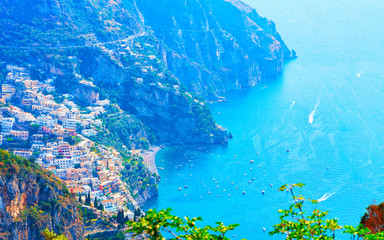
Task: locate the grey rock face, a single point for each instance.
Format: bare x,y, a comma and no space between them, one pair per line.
215,45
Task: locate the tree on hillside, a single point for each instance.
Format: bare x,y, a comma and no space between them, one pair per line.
101,207
50,235
95,204
88,199
136,214
373,219
120,217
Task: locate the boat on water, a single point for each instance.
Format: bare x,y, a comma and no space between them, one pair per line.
185,186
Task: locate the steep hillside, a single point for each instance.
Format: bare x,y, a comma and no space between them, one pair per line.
215,45
32,199
150,57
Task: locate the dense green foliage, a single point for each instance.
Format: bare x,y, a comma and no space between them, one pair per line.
50,235
205,124
156,223
135,174
101,236
122,130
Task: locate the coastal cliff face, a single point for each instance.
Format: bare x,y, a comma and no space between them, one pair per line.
32,199
146,194
214,46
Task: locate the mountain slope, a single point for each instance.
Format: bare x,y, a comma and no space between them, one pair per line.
150,57
214,45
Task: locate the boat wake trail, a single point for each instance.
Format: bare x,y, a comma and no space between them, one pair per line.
293,103
326,196
312,114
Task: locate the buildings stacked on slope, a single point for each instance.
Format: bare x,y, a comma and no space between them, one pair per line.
43,126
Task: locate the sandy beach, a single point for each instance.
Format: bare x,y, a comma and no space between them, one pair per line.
149,158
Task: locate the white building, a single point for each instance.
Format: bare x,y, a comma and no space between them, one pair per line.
50,88
7,91
64,163
7,125
109,206
88,132
74,113
70,124
24,154
46,121
61,173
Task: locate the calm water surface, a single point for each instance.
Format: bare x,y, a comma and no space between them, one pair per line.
337,82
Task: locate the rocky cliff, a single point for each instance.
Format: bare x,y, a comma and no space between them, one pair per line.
214,46
146,194
32,199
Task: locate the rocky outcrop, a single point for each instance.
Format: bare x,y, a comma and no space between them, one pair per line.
146,194
32,199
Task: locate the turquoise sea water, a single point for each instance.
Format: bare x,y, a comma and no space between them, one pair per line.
338,80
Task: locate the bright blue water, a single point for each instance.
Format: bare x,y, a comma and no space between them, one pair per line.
340,75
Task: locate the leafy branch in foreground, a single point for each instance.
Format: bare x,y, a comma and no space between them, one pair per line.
157,222
297,224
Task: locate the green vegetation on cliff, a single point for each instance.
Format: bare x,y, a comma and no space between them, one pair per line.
123,131
135,174
33,200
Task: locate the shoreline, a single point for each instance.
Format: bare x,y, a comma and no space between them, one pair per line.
149,158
